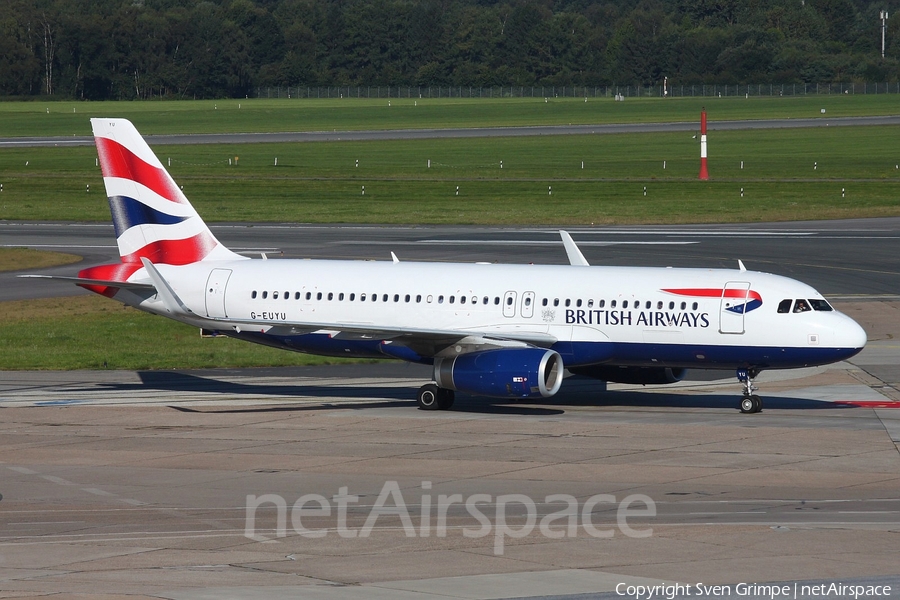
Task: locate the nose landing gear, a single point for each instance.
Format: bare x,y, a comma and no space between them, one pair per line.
750,403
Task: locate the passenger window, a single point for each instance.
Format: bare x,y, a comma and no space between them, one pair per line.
485,300
671,305
274,295
352,297
384,298
556,302
440,299
612,304
590,302
527,301
659,305
429,298
694,306
801,306
330,296
419,298
462,299
625,304
362,297
287,295
509,301
683,305
452,299
265,295
253,295
475,300
568,302
578,303
308,295
296,295
341,296
820,305
602,303
406,298
396,297
496,300
648,305
319,296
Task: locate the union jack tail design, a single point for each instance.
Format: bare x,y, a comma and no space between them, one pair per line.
152,217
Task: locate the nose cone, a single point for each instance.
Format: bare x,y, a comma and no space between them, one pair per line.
850,336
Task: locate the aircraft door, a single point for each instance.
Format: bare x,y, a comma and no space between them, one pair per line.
215,293
528,305
509,304
732,307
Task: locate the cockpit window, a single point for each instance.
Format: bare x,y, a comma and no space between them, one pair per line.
820,305
801,305
785,306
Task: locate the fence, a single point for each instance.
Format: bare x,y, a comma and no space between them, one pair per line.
610,91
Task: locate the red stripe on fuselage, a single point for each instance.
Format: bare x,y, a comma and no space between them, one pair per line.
175,252
716,293
118,161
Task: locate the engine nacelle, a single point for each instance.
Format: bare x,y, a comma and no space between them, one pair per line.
636,375
502,373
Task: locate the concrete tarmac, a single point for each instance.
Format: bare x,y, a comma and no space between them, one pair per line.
328,483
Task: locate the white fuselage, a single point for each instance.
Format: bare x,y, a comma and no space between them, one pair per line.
591,315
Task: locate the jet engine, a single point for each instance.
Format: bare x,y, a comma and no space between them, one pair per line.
502,373
636,375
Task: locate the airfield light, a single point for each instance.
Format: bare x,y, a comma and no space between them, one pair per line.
704,172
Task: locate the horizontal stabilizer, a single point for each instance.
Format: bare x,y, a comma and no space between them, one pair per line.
125,285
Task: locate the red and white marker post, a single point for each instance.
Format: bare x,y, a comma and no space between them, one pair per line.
704,172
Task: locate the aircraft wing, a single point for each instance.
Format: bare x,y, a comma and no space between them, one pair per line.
425,342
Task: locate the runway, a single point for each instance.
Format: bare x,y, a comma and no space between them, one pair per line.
150,483
839,258
479,132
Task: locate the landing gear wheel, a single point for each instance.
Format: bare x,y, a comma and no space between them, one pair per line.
445,398
427,397
751,404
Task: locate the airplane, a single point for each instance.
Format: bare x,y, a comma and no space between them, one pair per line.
496,330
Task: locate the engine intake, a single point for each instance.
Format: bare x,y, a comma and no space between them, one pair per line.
636,375
503,373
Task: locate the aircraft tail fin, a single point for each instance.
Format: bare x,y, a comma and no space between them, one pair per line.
152,217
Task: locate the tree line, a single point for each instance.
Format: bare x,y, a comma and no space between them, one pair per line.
138,49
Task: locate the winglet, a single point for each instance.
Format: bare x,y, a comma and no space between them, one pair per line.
741,265
169,298
576,258
394,258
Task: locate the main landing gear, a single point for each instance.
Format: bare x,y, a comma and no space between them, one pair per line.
432,397
750,403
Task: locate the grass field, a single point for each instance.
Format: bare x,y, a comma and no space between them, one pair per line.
215,116
786,174
92,332
14,259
